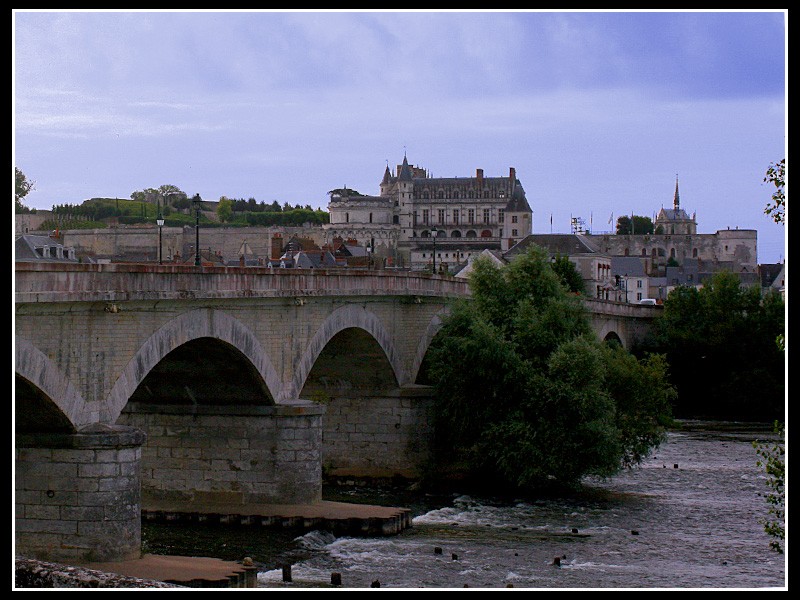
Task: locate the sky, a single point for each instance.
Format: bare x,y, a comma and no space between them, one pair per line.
598,112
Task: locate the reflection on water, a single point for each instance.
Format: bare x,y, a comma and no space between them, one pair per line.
688,518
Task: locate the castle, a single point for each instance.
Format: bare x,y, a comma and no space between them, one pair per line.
425,222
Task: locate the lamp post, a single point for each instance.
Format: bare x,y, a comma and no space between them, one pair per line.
196,202
160,222
434,232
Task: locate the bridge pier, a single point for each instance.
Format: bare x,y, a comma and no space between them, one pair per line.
78,494
378,435
225,454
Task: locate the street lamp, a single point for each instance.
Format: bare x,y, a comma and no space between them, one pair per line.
160,222
196,202
434,231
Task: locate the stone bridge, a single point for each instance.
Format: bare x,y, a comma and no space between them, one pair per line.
139,384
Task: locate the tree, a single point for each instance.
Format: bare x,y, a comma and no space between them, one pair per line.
720,345
224,209
776,175
534,399
22,187
772,461
637,225
569,275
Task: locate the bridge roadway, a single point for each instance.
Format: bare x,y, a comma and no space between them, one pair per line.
141,385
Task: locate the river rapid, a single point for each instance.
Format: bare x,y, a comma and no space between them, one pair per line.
689,517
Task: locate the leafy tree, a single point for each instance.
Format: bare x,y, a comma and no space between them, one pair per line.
776,174
534,399
224,209
569,275
720,345
22,187
637,225
773,463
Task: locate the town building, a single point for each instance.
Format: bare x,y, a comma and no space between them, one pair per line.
42,248
423,222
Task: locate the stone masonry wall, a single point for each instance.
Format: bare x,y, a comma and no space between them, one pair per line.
239,455
78,495
378,436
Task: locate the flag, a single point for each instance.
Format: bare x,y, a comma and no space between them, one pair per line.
611,219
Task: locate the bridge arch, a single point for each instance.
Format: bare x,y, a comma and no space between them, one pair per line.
187,327
434,325
612,337
346,317
33,366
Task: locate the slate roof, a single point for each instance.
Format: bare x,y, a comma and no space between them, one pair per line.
564,244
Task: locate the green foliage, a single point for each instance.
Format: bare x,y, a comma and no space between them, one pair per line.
776,175
569,275
224,209
22,187
637,225
292,217
720,345
772,460
526,395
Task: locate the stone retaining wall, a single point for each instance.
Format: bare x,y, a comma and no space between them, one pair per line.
239,455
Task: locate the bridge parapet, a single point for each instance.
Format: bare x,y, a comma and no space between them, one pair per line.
116,282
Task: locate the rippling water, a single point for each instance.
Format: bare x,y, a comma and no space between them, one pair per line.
687,518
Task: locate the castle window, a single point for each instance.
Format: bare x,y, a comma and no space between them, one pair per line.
471,217
441,194
455,216
501,194
501,215
370,217
485,215
346,217
513,218
694,253
514,232
425,216
441,216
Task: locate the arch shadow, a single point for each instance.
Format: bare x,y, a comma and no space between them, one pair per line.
189,326
35,367
346,317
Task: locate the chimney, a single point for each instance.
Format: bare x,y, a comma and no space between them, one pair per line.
479,177
277,246
512,174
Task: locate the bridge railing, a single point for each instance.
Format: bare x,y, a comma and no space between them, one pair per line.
65,282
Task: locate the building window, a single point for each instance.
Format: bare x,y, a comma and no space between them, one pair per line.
639,283
485,215
455,216
501,215
514,232
346,217
513,218
425,216
639,295
415,218
370,217
471,216
441,216
501,194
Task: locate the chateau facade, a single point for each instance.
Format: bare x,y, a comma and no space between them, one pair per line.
422,222
675,237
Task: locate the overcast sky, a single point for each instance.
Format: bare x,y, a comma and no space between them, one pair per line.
598,112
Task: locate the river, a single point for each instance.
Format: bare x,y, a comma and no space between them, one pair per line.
688,517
